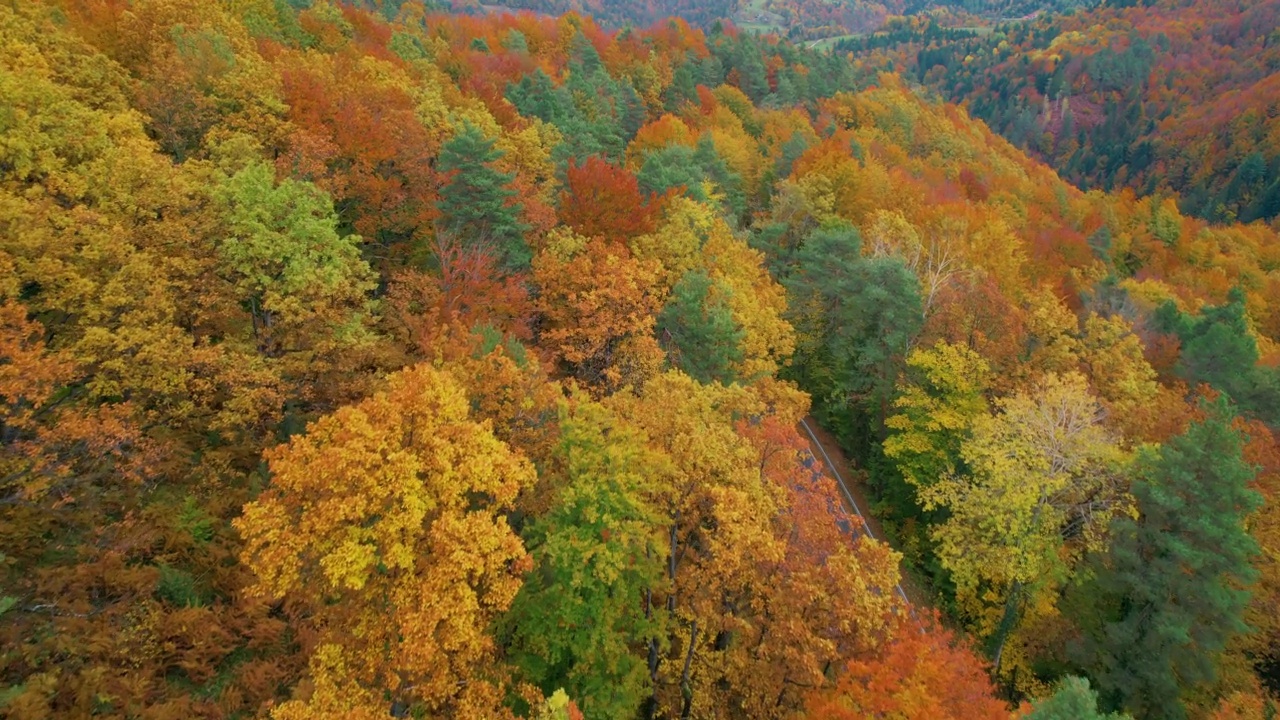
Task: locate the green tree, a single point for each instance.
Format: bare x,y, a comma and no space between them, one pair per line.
856,318
1073,699
698,329
536,95
579,621
940,399
1218,349
700,171
673,166
283,252
475,203
1171,592
943,394
727,182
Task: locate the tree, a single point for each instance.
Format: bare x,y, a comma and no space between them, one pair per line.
699,330
291,269
666,130
601,200
1073,699
595,296
475,202
1171,589
699,170
674,167
757,301
856,318
828,598
384,524
466,291
1218,348
942,398
924,672
363,129
579,621
1042,473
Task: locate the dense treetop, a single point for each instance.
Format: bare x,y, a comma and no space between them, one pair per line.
358,363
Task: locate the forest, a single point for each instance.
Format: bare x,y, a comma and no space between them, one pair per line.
796,20
366,361
1169,97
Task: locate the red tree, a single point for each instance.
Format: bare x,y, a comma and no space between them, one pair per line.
923,673
603,200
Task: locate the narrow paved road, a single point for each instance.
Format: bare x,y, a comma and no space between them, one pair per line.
852,493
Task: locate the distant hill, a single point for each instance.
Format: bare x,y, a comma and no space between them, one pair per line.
1171,96
795,19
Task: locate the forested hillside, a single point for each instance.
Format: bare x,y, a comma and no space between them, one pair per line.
1169,96
796,20
366,363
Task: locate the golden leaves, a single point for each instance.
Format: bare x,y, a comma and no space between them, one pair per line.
385,519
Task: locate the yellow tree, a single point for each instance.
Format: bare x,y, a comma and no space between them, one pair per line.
760,592
686,225
941,397
756,301
1043,472
934,258
1125,381
716,511
384,527
936,411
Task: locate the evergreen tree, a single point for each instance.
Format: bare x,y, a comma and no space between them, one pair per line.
856,317
728,182
475,202
1072,700
1219,349
792,149
691,168
670,167
699,329
683,88
536,95
1170,594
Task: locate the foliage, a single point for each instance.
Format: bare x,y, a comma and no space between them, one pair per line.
1155,96
856,318
474,202
700,329
578,621
362,359
374,523
924,672
1072,700
1170,591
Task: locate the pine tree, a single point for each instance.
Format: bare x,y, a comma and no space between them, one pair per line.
856,317
699,330
717,171
1171,592
475,202
1073,699
1218,348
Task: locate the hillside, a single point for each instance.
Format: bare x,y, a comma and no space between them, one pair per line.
358,363
1163,97
796,20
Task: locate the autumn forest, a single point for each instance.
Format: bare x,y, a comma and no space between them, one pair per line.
390,359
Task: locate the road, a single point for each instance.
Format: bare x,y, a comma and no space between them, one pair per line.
851,493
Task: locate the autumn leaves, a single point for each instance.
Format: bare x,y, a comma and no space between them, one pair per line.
686,559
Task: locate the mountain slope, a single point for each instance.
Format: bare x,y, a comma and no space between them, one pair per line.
1170,96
